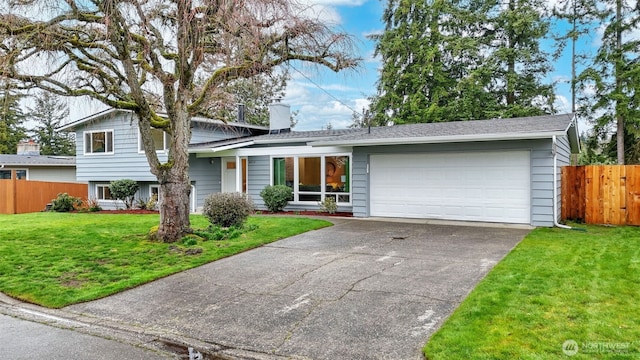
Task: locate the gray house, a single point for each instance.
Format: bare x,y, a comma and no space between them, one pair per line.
28,164
38,167
500,170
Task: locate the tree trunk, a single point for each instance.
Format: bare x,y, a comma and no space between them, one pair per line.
618,61
174,209
174,179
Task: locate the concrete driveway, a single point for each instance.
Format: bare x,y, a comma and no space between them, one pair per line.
361,289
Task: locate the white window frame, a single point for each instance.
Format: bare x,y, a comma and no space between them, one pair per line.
165,142
155,186
323,186
92,153
98,192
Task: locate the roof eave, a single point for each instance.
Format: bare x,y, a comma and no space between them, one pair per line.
440,139
206,150
574,135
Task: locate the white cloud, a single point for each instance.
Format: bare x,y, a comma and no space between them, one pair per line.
562,104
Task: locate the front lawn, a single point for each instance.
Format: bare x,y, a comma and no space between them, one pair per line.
57,259
557,287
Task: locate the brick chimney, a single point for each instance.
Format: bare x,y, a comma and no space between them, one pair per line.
28,147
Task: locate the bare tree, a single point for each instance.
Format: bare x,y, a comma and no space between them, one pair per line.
143,55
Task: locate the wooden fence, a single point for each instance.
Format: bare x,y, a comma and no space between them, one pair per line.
601,194
24,196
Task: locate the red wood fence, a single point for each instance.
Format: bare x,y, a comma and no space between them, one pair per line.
601,194
24,196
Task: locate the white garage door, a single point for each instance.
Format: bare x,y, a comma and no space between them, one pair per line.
480,186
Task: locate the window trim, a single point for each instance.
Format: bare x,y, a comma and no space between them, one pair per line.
92,153
323,187
98,185
155,186
165,142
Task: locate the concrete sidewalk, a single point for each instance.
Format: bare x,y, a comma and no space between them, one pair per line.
358,290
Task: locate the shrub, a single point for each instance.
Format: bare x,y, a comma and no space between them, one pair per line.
227,209
276,197
144,204
329,205
124,190
65,203
93,205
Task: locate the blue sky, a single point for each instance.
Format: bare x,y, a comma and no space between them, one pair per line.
348,90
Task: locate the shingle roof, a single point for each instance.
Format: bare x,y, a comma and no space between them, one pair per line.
477,129
474,130
37,160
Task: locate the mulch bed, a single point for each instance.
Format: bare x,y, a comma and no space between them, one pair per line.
305,213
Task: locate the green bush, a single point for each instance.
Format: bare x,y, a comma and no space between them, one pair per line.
227,209
276,197
65,203
124,190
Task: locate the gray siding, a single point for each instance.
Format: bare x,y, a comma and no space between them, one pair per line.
541,171
258,173
563,156
360,183
58,174
127,162
205,176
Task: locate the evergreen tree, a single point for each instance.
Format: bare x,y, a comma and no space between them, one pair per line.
446,60
420,64
614,75
11,120
49,113
516,63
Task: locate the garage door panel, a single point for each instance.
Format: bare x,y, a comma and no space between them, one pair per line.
485,186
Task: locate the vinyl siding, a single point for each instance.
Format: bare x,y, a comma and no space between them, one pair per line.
127,162
205,176
541,171
258,173
563,158
58,174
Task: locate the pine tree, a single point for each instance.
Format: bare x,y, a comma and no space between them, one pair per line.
516,63
615,76
11,120
49,113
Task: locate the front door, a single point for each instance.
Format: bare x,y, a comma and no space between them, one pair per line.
229,175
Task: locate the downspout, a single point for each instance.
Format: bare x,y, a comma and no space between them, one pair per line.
555,188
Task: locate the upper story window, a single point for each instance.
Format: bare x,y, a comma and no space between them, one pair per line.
98,142
161,140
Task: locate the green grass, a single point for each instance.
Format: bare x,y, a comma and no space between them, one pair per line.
58,259
556,285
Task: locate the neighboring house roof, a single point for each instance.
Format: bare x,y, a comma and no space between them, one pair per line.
534,127
112,112
36,160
